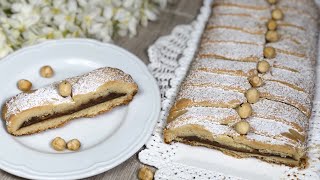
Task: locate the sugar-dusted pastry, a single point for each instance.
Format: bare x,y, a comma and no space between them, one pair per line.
243,99
91,94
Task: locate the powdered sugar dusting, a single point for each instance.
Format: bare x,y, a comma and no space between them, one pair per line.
283,93
294,78
233,50
236,10
221,80
91,81
247,3
233,35
281,112
247,24
230,67
218,115
271,129
49,95
210,94
211,126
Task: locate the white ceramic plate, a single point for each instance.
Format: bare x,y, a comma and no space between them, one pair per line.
107,140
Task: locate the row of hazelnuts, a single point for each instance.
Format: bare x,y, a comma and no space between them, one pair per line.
64,87
60,144
252,95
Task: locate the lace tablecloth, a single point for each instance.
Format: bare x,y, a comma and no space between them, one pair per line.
170,57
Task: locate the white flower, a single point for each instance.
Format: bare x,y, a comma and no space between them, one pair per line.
5,49
27,22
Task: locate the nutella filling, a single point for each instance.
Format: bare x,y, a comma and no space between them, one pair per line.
90,103
213,143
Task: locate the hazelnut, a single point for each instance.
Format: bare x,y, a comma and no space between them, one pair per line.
46,71
263,66
269,52
272,1
252,95
272,25
244,110
73,145
65,89
24,85
145,174
277,14
242,127
255,81
272,36
58,144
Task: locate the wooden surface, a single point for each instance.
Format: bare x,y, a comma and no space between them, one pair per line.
179,12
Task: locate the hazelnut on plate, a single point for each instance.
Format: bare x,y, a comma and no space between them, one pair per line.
244,110
24,85
74,145
46,71
145,173
242,127
58,144
65,89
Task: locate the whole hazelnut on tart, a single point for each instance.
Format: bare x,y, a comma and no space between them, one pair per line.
252,95
263,66
272,36
145,173
58,144
272,25
24,85
255,81
74,145
244,110
46,71
277,14
269,52
272,1
242,127
65,89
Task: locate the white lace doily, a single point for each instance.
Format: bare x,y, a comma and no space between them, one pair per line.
170,57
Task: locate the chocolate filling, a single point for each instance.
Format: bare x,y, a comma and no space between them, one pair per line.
213,143
90,103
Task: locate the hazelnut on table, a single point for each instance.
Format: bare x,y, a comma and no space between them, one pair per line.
58,144
24,85
65,89
46,71
145,173
74,145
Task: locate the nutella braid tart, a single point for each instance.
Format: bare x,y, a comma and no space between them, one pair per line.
93,93
250,88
